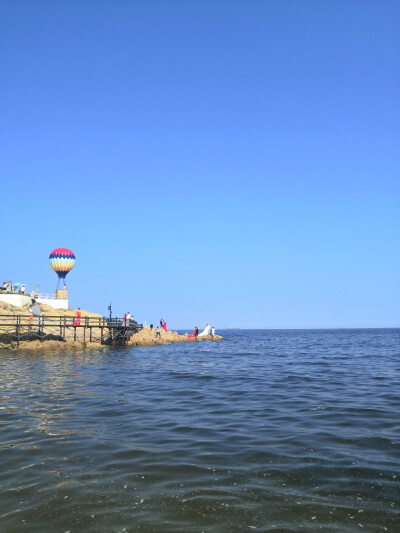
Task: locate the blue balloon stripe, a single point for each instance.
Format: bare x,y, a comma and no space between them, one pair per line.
62,256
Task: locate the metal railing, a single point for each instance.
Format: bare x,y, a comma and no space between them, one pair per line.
15,329
46,296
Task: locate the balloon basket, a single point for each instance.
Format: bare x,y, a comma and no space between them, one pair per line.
61,294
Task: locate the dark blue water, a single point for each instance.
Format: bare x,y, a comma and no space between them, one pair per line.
266,431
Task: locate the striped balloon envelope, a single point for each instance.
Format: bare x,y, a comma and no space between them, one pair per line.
62,261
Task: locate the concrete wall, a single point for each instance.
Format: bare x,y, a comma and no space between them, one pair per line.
19,300
16,299
58,303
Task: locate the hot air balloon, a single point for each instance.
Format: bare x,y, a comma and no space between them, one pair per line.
61,261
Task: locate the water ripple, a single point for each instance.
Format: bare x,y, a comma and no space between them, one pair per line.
267,431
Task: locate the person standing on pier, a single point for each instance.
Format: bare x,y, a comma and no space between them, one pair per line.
30,317
78,317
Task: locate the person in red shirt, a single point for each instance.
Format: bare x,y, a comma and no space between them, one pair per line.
78,317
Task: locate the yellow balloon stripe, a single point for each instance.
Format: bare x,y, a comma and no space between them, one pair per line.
61,264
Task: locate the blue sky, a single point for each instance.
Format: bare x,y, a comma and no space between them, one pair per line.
230,162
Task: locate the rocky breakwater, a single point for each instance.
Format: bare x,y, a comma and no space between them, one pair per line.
149,337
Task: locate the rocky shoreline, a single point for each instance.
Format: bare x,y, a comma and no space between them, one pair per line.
75,338
148,337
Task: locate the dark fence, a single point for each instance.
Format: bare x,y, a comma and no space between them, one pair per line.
15,329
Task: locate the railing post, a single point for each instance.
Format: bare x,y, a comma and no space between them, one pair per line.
17,329
40,328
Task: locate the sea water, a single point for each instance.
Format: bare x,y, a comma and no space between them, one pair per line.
268,430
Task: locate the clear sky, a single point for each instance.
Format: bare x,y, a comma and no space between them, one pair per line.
230,162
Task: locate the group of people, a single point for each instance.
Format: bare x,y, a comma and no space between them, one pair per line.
208,330
127,318
9,286
163,325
